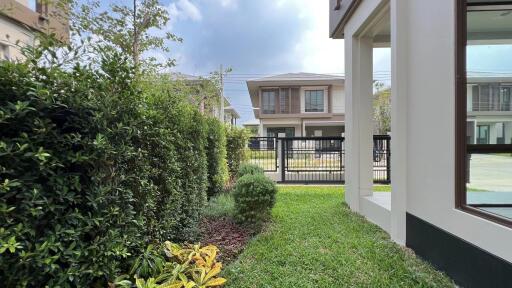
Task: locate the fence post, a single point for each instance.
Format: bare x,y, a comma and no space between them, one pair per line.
281,177
388,160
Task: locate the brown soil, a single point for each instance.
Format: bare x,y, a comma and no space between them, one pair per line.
228,236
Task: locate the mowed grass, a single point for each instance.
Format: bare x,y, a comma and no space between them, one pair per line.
316,241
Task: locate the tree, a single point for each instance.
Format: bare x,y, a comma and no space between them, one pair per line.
382,108
133,29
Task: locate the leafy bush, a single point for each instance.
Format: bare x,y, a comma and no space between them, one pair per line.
216,155
251,169
221,205
191,266
92,169
236,144
254,197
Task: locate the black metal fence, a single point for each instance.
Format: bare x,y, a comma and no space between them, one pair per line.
382,159
262,152
315,159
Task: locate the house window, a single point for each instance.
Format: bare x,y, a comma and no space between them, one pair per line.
4,52
484,148
268,102
491,97
314,100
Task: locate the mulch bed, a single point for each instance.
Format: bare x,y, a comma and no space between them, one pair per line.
228,236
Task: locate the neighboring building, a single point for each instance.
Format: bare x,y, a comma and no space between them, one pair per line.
253,127
20,20
229,113
489,109
451,199
299,104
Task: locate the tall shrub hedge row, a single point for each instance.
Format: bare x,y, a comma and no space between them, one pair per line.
92,169
216,154
236,144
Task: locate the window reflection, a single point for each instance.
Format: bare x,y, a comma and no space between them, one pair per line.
489,109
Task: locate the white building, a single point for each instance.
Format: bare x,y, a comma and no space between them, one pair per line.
489,109
432,208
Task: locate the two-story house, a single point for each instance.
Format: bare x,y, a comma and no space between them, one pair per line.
489,109
20,20
299,104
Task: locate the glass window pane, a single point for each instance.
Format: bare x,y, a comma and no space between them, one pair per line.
489,53
268,102
314,100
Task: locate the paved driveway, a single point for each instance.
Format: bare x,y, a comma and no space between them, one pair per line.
491,172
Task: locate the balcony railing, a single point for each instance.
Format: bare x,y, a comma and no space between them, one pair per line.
491,107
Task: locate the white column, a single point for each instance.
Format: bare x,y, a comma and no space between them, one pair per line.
399,93
359,111
260,130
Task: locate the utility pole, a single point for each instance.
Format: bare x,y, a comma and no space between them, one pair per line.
221,112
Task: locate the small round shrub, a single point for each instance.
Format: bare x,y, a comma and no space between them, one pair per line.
254,196
249,169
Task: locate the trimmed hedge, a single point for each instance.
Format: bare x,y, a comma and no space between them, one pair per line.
92,169
249,169
254,196
216,154
236,145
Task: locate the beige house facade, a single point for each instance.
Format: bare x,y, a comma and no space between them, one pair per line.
299,105
20,20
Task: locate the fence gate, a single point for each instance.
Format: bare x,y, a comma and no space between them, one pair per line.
263,153
312,160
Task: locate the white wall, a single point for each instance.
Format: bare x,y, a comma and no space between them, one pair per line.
338,99
431,162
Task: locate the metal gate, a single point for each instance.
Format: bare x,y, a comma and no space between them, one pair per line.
312,160
263,152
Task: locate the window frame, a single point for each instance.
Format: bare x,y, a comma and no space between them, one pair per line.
316,100
270,103
461,146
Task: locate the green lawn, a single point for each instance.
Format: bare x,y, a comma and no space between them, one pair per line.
316,241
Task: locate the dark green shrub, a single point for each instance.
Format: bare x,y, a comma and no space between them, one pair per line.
216,157
236,144
246,169
254,197
92,170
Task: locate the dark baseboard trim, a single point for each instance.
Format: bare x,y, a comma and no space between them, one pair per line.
467,264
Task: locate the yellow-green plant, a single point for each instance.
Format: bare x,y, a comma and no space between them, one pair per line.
189,266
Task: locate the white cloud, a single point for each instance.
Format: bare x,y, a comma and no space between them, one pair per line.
315,50
184,10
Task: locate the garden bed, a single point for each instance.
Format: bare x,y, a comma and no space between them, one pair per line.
228,236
